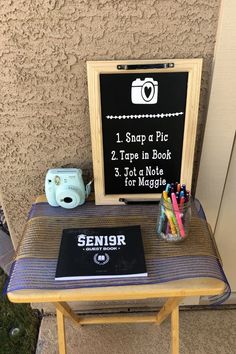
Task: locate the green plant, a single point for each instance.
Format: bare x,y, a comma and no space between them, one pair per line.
19,325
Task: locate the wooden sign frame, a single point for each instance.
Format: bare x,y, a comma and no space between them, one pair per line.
94,68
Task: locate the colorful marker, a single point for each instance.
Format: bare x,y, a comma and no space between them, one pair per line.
182,200
172,215
178,215
172,211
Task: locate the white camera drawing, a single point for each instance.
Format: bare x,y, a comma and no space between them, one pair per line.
144,91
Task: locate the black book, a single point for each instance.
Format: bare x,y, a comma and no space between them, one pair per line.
93,253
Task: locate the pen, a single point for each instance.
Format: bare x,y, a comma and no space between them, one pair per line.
172,215
171,223
177,197
167,187
181,203
181,195
168,213
162,219
165,195
178,215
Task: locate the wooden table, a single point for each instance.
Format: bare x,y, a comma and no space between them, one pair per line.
174,291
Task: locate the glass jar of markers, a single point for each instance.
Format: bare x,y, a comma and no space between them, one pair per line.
174,218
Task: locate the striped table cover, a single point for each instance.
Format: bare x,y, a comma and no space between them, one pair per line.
36,259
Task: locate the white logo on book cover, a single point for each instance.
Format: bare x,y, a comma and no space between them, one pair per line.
101,258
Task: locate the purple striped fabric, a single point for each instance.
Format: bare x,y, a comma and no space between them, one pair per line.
32,273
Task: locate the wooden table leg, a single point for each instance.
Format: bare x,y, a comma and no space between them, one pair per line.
175,330
171,307
63,309
61,332
167,309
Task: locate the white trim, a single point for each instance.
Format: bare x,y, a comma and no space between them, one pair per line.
221,122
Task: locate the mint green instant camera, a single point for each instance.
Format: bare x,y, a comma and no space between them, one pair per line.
65,187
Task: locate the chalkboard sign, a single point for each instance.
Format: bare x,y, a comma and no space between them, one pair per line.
143,124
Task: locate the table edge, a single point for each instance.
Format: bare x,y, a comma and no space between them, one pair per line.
179,288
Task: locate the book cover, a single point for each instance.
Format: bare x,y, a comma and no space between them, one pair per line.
91,253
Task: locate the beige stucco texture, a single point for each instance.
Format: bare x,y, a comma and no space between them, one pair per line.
44,46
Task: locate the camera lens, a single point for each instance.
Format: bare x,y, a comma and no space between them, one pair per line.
69,197
67,200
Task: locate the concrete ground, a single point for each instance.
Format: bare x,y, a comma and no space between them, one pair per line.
201,332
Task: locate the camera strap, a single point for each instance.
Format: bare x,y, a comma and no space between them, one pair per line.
88,188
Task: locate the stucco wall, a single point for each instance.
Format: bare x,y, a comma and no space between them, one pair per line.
44,45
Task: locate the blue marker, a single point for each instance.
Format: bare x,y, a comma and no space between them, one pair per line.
168,187
181,195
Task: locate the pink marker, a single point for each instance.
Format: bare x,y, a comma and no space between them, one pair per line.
178,214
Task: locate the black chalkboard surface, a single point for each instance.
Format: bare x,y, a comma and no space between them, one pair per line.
143,126
142,123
